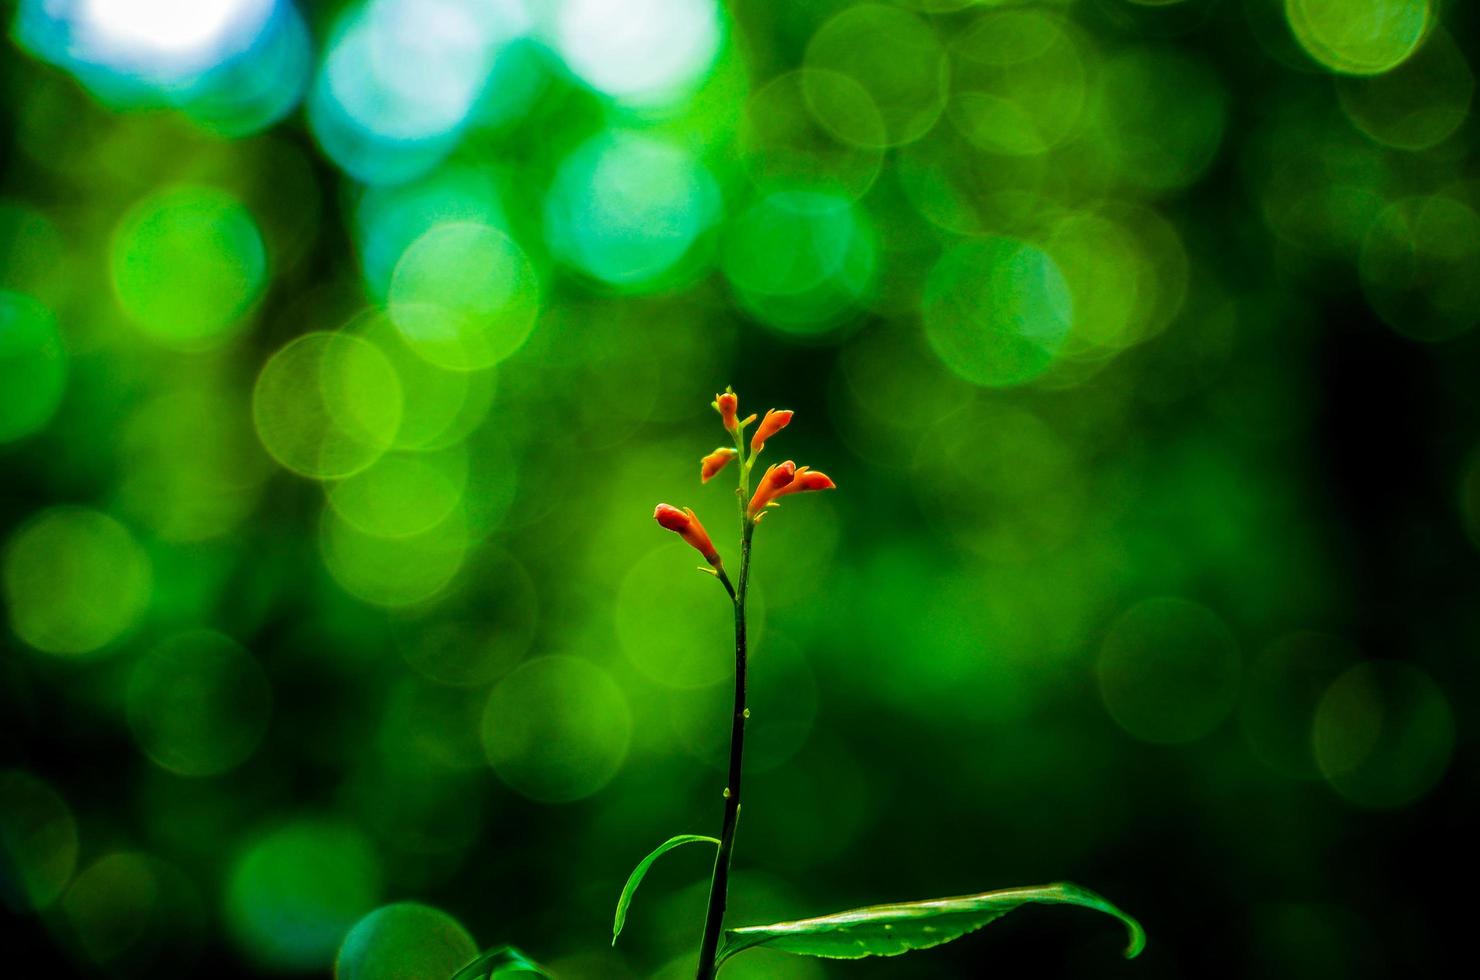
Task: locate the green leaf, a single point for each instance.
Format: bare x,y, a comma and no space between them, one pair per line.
639,872
888,930
501,961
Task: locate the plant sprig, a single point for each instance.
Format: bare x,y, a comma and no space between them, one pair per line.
879,930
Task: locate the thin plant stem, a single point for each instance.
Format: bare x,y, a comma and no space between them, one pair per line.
719,883
724,580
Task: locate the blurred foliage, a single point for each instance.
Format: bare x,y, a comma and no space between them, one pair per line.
345,348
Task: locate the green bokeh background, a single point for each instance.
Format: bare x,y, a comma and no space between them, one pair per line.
337,388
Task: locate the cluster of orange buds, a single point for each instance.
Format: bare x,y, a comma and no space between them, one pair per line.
779,479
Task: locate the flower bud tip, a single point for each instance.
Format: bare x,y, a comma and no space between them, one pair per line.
773,423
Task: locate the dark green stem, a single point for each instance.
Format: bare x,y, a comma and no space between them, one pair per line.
724,580
719,884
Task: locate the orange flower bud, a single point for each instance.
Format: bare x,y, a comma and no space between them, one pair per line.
807,480
777,477
727,405
714,462
773,423
687,526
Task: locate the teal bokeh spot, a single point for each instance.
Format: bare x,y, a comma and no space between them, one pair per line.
627,210
295,892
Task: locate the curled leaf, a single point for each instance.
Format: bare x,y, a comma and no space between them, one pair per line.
640,872
499,962
888,930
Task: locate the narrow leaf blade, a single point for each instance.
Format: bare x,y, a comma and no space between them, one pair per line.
888,930
501,961
640,872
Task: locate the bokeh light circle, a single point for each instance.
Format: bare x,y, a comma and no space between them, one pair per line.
250,92
75,581
1018,82
198,704
1359,37
1417,105
33,366
626,209
895,57
187,263
996,310
1108,275
640,52
294,892
327,405
557,729
1168,671
402,494
1420,267
464,296
439,408
388,218
165,41
394,572
232,66
405,941
1159,116
668,627
1383,733
400,79
801,261
1000,481
1283,687
1127,273
38,842
131,914
200,493
785,143
1319,183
